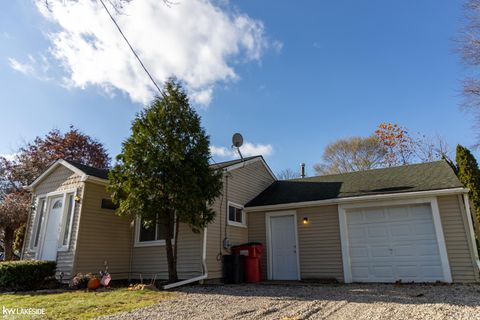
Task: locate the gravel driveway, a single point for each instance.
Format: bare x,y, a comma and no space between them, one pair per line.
317,302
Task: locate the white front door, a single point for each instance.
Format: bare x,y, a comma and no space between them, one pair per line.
52,230
283,246
396,243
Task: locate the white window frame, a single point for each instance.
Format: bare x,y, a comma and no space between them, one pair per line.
242,224
432,201
49,197
36,222
61,246
151,243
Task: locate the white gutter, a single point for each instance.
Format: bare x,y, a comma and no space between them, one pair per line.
94,179
294,205
204,265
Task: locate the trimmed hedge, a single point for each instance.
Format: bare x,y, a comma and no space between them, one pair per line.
25,274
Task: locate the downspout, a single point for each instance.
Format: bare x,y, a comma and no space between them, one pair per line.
472,232
132,244
204,266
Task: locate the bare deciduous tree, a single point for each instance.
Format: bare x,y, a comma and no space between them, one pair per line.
287,174
351,154
469,50
429,149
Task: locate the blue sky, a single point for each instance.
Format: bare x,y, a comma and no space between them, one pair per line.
293,78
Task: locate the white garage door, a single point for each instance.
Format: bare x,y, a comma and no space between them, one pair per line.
388,244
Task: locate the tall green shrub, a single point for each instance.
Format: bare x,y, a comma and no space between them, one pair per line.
469,175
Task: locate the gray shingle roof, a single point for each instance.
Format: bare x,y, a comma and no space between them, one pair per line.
91,171
417,177
103,173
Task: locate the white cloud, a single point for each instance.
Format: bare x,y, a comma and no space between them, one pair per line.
194,40
25,68
247,149
32,67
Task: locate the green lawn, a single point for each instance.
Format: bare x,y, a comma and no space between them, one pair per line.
81,304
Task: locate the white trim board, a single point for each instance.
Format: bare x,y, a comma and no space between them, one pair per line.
389,196
269,236
342,216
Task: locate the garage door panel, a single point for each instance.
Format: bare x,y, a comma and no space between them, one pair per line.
361,273
375,215
407,271
360,252
426,250
377,231
380,251
398,213
357,232
385,271
424,229
408,250
393,243
401,230
434,272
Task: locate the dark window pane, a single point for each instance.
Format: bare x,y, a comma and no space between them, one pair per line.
70,209
238,216
147,234
41,213
231,213
160,229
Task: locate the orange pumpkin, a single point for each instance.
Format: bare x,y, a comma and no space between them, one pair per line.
93,283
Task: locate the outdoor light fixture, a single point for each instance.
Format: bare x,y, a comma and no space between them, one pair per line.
305,220
77,196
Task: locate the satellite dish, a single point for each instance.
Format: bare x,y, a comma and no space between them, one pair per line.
237,140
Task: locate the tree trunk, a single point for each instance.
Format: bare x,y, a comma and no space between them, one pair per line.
9,235
171,256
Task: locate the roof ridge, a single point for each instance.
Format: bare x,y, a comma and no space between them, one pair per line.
368,170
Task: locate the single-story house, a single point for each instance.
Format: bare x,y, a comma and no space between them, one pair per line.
408,223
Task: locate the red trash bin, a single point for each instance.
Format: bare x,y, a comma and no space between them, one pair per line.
253,260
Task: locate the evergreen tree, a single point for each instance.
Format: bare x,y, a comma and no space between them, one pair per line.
469,175
163,174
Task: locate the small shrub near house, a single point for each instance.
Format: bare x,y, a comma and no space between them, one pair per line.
25,275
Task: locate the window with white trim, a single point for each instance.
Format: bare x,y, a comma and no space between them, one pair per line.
236,215
151,232
38,222
68,221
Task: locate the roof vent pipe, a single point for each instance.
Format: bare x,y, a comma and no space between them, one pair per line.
302,170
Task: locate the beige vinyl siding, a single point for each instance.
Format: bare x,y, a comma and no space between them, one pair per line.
320,249
103,236
152,260
257,233
244,184
455,230
61,179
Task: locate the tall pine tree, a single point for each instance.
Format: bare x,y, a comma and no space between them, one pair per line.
163,174
469,175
